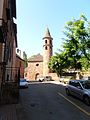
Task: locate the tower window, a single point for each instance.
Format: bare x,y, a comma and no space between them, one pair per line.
46,48
50,42
45,41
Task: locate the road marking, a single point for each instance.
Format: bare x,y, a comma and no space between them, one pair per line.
81,109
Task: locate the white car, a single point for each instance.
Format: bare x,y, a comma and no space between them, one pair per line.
40,79
23,83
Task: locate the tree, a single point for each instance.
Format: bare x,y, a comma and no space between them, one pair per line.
58,63
77,42
25,59
76,47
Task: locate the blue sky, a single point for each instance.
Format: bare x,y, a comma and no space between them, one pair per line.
33,16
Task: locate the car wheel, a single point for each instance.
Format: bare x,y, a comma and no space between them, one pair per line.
67,92
86,100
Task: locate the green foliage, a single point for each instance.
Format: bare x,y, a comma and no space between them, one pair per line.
76,47
85,64
58,63
25,59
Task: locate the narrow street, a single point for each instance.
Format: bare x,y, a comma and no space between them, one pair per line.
48,101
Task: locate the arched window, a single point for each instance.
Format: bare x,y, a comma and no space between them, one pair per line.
36,76
50,41
45,41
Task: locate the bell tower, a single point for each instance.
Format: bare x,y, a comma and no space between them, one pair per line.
47,51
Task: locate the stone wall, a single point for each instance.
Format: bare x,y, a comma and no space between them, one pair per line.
34,69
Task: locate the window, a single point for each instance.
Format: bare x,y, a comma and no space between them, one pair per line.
86,84
72,83
50,42
45,41
78,85
75,84
37,64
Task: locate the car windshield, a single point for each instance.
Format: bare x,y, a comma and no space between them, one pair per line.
86,84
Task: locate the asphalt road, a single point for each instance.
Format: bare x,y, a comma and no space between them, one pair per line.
48,101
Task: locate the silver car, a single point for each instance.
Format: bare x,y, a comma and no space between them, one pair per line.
80,89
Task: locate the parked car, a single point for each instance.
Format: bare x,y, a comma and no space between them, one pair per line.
66,79
62,79
23,83
47,78
40,79
80,89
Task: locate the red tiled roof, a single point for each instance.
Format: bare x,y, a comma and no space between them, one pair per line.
36,58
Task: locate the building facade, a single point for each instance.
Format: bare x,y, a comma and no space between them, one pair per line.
38,64
8,39
35,67
47,51
8,44
20,63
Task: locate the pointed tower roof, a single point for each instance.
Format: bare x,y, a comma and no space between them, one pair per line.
47,34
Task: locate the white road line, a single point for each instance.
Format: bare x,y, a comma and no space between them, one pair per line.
81,109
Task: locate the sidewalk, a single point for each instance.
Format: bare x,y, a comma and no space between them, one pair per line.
8,112
12,112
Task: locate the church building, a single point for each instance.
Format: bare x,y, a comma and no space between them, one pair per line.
38,64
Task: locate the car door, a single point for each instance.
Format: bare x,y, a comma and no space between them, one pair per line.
72,87
78,91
